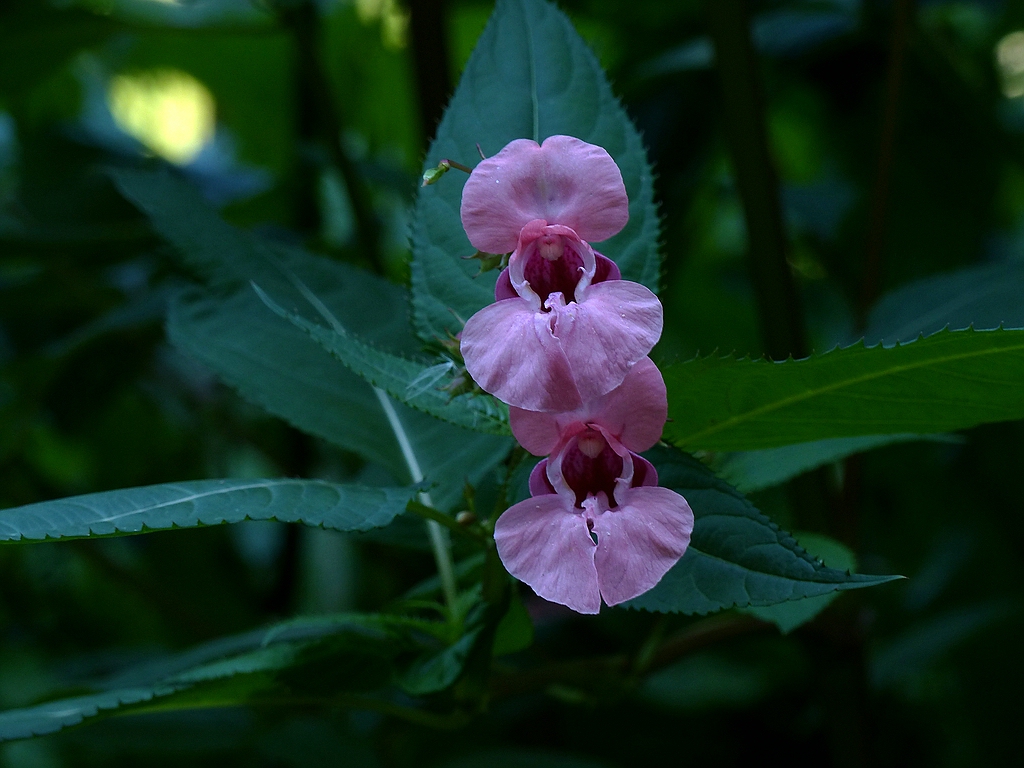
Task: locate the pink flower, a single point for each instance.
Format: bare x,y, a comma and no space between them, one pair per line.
565,328
597,526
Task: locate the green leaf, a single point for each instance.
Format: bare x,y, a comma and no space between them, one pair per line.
206,502
790,615
737,556
57,715
210,246
984,298
281,368
947,381
530,76
901,659
436,671
515,631
325,658
272,364
398,376
756,470
227,256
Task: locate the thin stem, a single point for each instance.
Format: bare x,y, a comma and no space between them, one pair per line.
439,539
903,18
429,513
322,123
458,166
600,672
775,291
428,25
903,15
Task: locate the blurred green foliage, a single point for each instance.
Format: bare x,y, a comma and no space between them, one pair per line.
881,186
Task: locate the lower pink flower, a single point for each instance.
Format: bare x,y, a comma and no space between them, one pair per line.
596,527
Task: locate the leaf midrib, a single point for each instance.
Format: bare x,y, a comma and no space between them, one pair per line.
534,96
810,394
838,584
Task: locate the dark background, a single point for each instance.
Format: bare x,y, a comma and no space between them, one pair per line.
853,148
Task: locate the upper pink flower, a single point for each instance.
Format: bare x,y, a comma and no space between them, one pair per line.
565,329
597,526
563,181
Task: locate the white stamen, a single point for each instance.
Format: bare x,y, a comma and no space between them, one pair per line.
590,444
551,247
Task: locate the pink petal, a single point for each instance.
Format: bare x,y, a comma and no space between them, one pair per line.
636,410
564,181
510,352
606,269
503,288
634,413
540,432
644,472
638,541
605,335
546,544
539,483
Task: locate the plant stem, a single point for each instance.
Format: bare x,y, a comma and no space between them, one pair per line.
429,513
321,124
428,25
439,539
903,14
778,302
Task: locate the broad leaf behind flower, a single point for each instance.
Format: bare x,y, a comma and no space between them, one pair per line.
737,556
531,76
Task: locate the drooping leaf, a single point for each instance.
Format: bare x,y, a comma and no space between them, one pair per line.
399,376
984,298
64,713
756,470
326,658
206,502
436,671
515,632
792,614
530,76
947,381
911,653
737,556
710,680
